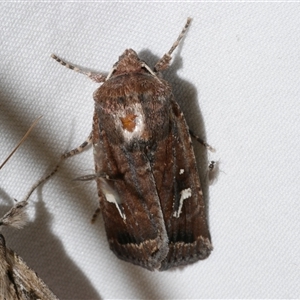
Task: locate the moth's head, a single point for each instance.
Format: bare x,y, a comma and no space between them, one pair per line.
129,62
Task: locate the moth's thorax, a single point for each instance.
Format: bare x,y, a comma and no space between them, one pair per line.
128,62
132,106
129,84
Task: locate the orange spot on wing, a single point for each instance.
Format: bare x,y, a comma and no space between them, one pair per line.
129,122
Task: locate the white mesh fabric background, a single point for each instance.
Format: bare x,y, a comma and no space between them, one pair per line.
240,61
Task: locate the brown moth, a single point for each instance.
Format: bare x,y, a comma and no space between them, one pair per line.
17,280
149,189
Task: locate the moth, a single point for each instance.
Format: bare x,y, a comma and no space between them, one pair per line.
148,185
17,280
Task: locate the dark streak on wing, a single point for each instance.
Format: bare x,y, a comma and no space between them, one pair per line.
189,238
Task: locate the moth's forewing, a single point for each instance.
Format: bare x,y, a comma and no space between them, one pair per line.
140,235
17,280
184,210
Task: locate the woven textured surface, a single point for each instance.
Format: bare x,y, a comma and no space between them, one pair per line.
239,63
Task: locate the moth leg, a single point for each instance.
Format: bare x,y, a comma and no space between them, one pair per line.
89,178
38,183
198,139
73,152
95,215
97,77
163,63
79,149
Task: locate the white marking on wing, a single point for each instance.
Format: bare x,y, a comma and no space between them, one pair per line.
137,110
111,198
184,194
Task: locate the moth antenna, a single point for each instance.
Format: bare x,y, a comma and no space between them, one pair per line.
97,77
16,217
21,141
181,35
163,63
